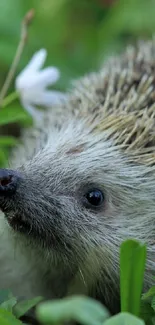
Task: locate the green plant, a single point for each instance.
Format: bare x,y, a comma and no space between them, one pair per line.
136,309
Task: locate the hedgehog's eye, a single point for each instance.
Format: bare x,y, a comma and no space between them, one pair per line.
95,197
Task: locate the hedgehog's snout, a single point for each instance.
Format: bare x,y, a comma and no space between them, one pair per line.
8,182
9,199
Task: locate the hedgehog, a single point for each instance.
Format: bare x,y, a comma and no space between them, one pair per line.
81,183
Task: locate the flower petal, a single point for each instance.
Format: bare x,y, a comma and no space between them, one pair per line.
38,79
34,112
46,77
48,98
27,82
37,61
32,67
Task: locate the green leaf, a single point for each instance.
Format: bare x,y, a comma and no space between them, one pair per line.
7,318
124,319
152,321
153,303
23,306
146,312
132,265
84,310
5,295
7,300
12,114
4,155
8,141
149,293
8,304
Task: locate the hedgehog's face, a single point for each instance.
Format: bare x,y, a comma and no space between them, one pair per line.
75,194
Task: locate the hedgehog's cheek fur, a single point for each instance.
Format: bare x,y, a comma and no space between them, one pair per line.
69,239
42,220
39,228
78,255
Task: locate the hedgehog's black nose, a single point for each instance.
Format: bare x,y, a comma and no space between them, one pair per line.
8,182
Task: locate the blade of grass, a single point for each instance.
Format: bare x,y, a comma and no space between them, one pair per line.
132,266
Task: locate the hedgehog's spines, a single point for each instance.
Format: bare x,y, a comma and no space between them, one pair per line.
121,97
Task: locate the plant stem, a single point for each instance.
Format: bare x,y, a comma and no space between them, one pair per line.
9,99
23,38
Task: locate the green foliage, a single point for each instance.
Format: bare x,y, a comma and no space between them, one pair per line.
124,319
8,115
11,309
148,306
147,313
149,294
77,34
7,300
7,318
132,257
80,309
22,307
139,309
11,114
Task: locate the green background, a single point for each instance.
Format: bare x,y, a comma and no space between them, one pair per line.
78,36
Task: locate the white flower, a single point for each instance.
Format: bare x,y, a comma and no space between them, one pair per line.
32,83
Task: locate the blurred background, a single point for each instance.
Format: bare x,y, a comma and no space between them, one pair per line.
78,36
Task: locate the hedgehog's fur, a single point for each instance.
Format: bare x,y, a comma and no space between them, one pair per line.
104,136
